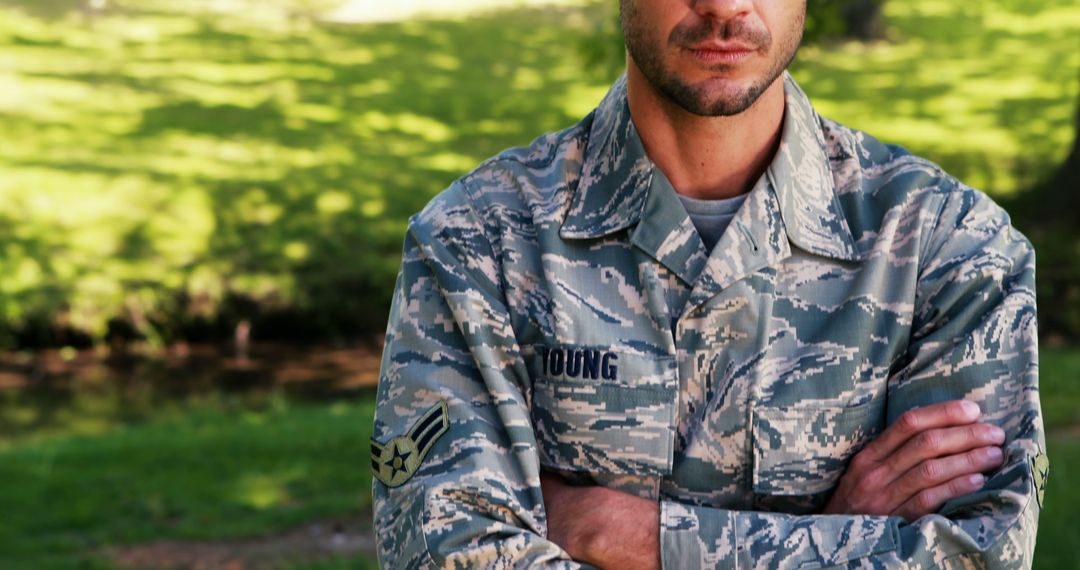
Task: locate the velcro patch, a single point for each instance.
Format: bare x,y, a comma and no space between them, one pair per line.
1040,470
396,461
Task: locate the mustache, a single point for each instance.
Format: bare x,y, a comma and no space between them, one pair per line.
736,29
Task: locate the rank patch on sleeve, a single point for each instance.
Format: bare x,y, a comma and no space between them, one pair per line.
396,461
1040,470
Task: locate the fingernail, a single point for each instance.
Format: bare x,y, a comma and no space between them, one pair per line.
997,433
994,453
970,408
976,480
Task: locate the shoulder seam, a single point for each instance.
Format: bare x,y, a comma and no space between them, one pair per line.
471,199
552,155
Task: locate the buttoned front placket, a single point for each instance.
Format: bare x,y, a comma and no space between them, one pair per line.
720,305
718,309
711,313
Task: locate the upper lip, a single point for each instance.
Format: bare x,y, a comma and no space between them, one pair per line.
722,46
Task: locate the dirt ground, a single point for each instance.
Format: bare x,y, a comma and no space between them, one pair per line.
330,368
309,542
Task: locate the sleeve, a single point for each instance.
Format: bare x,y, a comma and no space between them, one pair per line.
454,458
974,336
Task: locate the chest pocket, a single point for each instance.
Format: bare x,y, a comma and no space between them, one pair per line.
801,451
600,411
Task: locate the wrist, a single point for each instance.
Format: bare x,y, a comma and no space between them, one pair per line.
622,531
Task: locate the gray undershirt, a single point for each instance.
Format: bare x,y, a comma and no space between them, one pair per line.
711,217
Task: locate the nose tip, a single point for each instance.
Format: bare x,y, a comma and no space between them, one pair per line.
723,9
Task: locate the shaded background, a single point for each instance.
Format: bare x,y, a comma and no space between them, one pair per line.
202,205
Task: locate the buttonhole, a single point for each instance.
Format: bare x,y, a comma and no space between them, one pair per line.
749,237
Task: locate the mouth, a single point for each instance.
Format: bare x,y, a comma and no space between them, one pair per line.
721,53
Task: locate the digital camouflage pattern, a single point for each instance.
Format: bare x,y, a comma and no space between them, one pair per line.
855,283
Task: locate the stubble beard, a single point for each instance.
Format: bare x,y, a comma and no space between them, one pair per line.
701,99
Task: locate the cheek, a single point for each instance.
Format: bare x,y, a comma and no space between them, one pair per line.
795,21
652,21
645,36
783,16
786,27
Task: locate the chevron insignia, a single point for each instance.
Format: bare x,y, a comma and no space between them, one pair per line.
396,461
1040,470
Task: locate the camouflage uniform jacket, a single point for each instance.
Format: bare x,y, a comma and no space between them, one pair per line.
556,310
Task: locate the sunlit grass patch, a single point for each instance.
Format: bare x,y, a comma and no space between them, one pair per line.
1059,532
985,89
229,121
204,474
209,132
1059,370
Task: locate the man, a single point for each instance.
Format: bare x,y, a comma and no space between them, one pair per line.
830,361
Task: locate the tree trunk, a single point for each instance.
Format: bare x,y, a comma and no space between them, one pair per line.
1061,196
864,19
1050,216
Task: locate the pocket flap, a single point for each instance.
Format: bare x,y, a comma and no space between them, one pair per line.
803,451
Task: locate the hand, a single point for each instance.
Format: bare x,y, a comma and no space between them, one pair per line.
602,527
928,456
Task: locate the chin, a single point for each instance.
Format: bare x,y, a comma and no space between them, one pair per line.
723,99
721,89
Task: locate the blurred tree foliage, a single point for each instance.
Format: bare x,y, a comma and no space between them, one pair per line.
171,171
178,171
1049,215
854,19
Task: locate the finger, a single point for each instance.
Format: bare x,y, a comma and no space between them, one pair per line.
933,472
942,442
911,422
930,500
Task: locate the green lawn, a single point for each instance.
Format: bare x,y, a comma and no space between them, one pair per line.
986,89
209,473
161,148
1059,530
1060,384
225,470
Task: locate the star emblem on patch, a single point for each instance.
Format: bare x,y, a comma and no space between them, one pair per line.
396,461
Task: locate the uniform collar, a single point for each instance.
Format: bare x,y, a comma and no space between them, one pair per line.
615,173
616,177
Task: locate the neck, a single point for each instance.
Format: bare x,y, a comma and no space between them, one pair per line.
706,157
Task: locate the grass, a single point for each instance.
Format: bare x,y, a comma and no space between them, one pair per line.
219,469
338,564
160,148
1059,531
986,89
211,473
1059,370
173,165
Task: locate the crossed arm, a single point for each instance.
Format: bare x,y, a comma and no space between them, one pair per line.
927,457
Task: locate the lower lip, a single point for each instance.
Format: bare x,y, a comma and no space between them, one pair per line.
717,56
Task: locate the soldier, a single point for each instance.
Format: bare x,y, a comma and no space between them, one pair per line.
706,327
